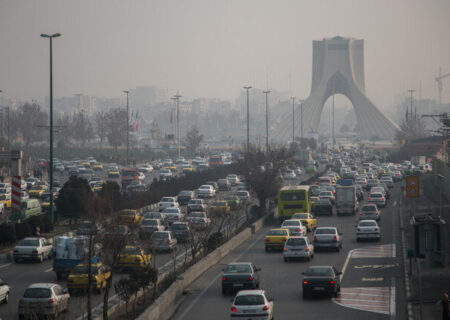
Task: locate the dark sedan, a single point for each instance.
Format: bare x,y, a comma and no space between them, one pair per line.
185,196
323,207
239,276
323,280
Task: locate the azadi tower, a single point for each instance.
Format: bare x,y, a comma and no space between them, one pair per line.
338,67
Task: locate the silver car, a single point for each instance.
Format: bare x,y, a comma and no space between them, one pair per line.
163,241
44,299
377,198
368,230
298,248
327,238
4,292
252,304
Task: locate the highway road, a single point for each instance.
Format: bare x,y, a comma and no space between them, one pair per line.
20,276
372,282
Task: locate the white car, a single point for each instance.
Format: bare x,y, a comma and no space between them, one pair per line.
168,202
388,181
243,195
173,215
378,198
252,304
145,168
165,174
295,227
298,248
368,229
141,176
290,175
32,248
206,191
233,179
4,292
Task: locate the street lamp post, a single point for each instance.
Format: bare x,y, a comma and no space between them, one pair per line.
248,119
441,179
128,127
267,119
293,120
176,98
301,118
51,36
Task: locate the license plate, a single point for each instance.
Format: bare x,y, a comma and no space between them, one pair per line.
319,288
238,284
249,311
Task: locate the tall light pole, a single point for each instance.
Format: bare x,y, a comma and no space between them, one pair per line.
248,119
176,98
51,36
128,127
411,91
267,119
334,139
301,118
293,118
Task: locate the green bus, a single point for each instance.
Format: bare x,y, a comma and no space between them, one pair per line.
291,200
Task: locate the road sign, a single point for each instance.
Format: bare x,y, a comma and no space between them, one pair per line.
16,193
412,186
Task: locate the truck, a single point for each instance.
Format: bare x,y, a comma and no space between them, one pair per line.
69,251
346,201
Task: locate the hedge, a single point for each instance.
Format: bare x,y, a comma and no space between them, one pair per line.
11,232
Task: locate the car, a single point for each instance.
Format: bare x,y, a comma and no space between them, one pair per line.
43,299
295,227
181,231
4,292
36,191
206,191
233,179
129,217
368,230
275,238
168,202
148,226
307,220
252,304
163,241
369,211
78,277
321,280
224,184
187,168
112,174
219,207
141,176
359,193
213,184
323,206
196,205
145,168
377,198
173,215
156,215
198,220
243,195
32,248
371,183
388,181
31,181
132,257
165,174
289,175
238,276
233,201
327,238
5,200
298,248
327,195
185,196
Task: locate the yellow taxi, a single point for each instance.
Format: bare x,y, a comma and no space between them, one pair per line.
5,199
78,278
113,174
171,167
97,167
219,207
37,191
276,238
307,219
381,171
188,169
133,257
129,216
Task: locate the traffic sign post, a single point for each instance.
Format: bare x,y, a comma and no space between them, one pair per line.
412,187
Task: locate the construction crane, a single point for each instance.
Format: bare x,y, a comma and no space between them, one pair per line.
438,79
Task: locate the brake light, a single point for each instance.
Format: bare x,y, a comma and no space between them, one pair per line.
377,213
307,249
359,229
249,279
51,301
299,230
233,309
284,249
267,240
382,198
376,229
305,282
315,238
370,199
224,278
331,282
335,238
265,308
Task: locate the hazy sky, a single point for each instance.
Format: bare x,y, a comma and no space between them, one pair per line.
211,48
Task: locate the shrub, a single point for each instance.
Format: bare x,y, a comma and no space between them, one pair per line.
215,240
23,230
7,234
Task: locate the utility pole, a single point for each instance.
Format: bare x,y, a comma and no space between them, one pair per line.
128,127
411,91
248,119
267,119
51,36
293,118
177,100
301,118
334,139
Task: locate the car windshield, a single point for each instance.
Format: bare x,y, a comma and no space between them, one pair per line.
326,231
296,242
319,271
166,199
301,216
185,193
367,224
196,215
131,250
376,195
277,233
195,201
238,268
290,223
249,300
325,194
171,210
161,235
150,222
179,226
29,243
37,293
368,208
83,269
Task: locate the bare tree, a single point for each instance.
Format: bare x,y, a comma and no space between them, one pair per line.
193,140
101,123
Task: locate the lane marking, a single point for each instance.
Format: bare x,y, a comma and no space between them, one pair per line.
365,301
349,255
372,279
49,269
392,301
5,265
191,305
395,204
